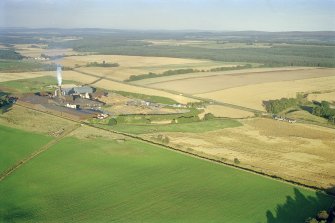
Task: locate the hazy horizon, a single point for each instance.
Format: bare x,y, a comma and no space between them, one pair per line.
175,15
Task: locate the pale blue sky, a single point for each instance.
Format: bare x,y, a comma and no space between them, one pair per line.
267,15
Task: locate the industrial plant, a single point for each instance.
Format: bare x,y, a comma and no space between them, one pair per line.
81,102
77,102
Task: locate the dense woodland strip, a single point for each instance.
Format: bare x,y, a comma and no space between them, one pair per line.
183,71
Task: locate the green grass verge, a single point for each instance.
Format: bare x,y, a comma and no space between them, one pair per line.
195,127
153,99
106,181
16,144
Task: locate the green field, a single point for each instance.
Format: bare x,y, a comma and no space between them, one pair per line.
195,127
32,84
24,66
108,181
16,145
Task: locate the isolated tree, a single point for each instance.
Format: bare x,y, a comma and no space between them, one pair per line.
112,121
322,215
311,220
208,116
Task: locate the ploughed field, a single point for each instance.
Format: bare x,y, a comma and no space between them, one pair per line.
94,176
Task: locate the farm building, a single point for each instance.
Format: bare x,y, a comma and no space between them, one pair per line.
82,91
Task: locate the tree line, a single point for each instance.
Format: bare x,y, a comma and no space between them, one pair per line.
184,71
324,110
279,105
9,54
103,64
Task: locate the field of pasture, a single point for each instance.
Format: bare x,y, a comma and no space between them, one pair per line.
17,144
98,179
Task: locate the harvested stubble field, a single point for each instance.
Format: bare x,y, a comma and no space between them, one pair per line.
329,96
252,96
135,65
99,179
223,111
202,85
273,147
117,86
22,75
158,80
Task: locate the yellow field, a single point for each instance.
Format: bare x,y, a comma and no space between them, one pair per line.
218,82
223,111
23,75
151,81
330,97
135,65
252,96
274,147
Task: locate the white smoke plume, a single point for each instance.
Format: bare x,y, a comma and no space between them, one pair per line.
59,75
